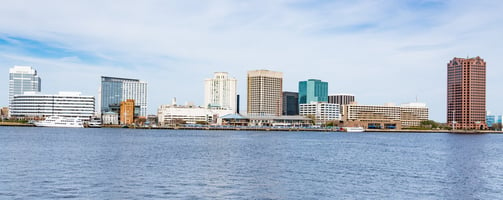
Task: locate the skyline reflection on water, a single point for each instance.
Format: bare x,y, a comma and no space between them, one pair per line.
49,163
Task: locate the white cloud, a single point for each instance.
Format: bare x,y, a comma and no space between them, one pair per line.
382,51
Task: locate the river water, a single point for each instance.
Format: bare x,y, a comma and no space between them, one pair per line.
56,163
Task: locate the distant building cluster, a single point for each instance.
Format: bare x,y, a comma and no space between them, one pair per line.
27,102
123,101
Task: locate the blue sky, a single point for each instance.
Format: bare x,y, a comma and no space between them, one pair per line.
379,50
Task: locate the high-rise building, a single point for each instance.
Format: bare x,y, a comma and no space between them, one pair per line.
313,90
466,93
220,92
341,99
23,79
290,103
265,92
115,90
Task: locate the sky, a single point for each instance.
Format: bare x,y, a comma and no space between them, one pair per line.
382,51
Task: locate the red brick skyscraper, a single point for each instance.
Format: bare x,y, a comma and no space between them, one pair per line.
466,93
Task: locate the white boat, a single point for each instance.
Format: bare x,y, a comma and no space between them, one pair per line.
95,123
57,121
354,129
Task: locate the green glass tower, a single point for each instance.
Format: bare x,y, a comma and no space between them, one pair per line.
313,90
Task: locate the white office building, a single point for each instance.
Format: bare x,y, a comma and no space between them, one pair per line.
65,104
323,112
23,79
220,92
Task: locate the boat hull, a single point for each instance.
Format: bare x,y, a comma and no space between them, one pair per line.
354,129
60,126
60,122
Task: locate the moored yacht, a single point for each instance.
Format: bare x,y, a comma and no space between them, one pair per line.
58,121
354,129
94,123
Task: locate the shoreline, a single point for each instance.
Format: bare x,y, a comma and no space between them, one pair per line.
14,124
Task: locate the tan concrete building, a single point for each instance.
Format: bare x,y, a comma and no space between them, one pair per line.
387,116
412,114
265,92
372,116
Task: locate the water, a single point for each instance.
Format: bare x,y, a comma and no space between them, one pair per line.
52,163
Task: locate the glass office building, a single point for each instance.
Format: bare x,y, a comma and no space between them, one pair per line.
290,103
313,90
23,79
115,90
493,119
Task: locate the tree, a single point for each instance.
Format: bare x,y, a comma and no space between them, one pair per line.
140,121
313,118
496,126
429,124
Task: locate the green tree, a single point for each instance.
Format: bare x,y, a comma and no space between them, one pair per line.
313,118
429,124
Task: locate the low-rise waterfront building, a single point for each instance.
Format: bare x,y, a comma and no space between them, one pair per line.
174,114
65,104
4,112
279,121
386,116
493,121
322,112
110,118
412,114
265,120
372,116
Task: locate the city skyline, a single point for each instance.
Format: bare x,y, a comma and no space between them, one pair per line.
391,51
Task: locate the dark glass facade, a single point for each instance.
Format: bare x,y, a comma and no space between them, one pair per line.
290,103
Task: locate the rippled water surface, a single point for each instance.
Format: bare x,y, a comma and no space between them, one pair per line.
52,163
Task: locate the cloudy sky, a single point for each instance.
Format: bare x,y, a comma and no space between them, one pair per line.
379,50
